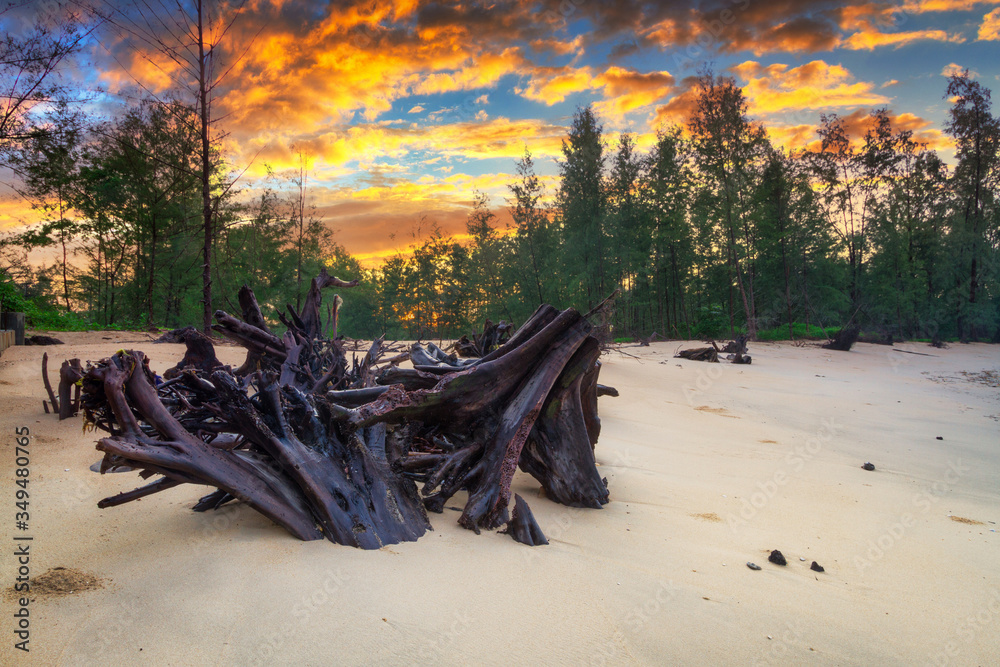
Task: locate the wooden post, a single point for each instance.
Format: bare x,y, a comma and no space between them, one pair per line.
6,339
14,322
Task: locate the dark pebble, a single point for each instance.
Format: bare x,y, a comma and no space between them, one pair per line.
940,438
816,567
753,566
777,558
868,466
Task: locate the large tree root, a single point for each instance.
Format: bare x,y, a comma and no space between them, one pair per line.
337,450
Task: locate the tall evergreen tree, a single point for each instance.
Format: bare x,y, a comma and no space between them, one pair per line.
976,181
533,242
581,204
668,185
728,147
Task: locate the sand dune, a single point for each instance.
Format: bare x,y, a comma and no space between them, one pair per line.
709,466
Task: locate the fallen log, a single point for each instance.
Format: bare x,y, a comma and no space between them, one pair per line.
709,354
735,351
844,339
358,453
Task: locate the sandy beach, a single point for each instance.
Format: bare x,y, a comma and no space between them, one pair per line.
709,466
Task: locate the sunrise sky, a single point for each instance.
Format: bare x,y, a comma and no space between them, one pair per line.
404,109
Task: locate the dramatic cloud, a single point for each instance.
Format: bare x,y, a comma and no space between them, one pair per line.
401,108
923,6
857,123
870,40
990,28
815,85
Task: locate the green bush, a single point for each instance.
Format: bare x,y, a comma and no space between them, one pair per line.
44,317
799,331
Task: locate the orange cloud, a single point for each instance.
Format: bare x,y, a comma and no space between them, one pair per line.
551,85
792,137
815,85
680,108
990,28
857,123
924,6
623,89
339,145
868,40
626,90
951,69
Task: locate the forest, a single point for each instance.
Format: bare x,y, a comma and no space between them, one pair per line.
714,231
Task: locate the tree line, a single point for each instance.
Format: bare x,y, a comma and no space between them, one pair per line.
714,231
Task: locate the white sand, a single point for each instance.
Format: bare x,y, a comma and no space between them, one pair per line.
773,450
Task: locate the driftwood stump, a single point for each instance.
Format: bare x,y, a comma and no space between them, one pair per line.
844,339
357,452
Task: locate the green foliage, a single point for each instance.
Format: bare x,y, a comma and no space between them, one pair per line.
39,314
712,233
800,331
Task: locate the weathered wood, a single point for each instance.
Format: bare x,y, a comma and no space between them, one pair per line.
310,318
161,484
559,453
358,453
199,355
12,321
735,351
709,354
53,401
125,382
844,339
70,373
522,526
492,337
738,346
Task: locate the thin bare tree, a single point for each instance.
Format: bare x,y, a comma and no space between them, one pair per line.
190,35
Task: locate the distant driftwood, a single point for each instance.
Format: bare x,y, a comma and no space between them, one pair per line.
735,351
844,339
